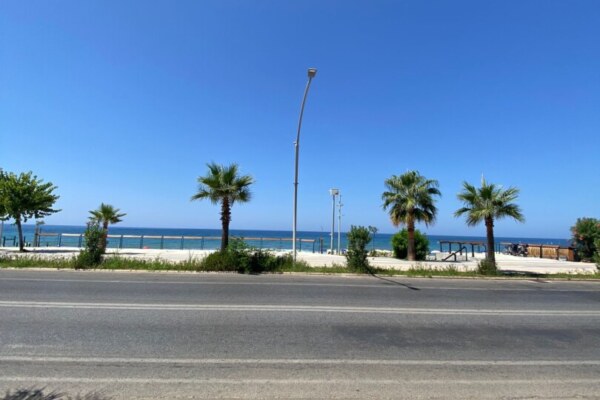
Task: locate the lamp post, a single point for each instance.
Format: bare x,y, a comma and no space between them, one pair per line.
311,74
339,249
333,193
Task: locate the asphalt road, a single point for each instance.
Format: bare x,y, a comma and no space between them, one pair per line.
182,336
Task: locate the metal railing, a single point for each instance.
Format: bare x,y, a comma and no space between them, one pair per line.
182,242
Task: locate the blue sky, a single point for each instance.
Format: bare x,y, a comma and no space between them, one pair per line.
126,101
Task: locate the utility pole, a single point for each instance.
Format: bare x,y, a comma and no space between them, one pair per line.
339,249
333,193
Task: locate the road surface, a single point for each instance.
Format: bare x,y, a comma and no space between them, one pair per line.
183,336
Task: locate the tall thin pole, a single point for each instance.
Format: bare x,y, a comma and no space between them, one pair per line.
311,73
332,218
339,249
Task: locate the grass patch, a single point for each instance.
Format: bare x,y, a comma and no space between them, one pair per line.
267,263
33,261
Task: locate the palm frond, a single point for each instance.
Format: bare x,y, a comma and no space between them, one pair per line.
489,201
410,198
223,183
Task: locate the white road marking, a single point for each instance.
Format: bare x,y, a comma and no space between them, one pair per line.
298,361
399,381
290,308
391,284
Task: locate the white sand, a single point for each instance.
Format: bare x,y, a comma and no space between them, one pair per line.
505,262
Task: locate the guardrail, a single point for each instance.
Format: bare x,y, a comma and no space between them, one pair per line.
168,242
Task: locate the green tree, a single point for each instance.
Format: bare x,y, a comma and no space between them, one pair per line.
223,184
410,199
106,215
356,257
586,232
24,196
400,245
487,204
91,255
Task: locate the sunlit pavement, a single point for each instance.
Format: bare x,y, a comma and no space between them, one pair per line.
147,336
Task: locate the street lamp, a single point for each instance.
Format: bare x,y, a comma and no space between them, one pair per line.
339,249
333,193
311,74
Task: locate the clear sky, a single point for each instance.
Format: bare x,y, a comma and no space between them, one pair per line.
126,101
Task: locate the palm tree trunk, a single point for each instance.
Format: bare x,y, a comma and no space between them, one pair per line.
490,251
411,240
20,230
104,236
225,219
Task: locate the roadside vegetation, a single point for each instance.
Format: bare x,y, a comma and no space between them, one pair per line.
23,197
95,246
586,239
410,198
223,185
359,238
400,245
251,261
105,215
487,204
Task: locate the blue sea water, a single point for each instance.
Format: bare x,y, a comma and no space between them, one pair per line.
281,240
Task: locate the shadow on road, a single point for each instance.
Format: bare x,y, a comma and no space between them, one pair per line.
370,271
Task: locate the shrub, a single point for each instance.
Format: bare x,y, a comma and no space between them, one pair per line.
219,261
91,255
400,245
241,258
586,233
486,267
356,257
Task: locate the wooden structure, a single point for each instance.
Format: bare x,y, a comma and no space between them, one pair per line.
551,251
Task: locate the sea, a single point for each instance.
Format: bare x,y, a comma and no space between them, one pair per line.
178,238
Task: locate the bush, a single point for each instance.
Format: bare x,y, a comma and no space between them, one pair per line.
219,261
586,235
91,255
356,257
400,245
241,258
486,267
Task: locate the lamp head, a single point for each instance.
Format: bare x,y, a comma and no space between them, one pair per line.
312,72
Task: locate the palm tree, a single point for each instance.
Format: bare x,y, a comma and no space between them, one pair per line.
106,215
488,203
410,198
223,185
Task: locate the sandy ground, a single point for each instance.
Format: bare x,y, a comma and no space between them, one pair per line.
505,262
